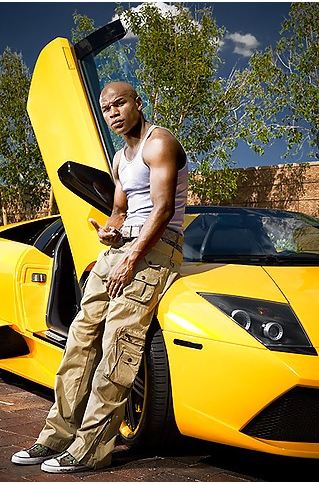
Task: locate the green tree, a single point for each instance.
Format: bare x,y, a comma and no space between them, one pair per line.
178,58
288,75
113,64
83,26
24,185
172,61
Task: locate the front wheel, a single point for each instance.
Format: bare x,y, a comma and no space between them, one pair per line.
149,417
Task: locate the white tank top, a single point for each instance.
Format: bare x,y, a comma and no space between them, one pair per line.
134,176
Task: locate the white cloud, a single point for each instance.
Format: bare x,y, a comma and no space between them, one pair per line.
166,8
163,7
248,40
245,44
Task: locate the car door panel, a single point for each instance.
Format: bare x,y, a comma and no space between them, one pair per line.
66,130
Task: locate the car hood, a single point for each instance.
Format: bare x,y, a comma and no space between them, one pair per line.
300,285
183,310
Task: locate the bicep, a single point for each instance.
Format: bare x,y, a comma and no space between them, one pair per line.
120,199
163,178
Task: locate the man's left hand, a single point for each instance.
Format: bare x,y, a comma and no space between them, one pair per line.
119,277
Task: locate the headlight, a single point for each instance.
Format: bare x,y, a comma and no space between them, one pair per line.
273,324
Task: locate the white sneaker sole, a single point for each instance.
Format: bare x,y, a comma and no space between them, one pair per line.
64,469
18,460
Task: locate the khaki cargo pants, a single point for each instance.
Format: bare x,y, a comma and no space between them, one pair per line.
103,354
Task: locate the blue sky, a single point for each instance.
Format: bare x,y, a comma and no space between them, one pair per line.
27,27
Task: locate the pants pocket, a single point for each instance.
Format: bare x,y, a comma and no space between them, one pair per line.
129,352
143,286
101,268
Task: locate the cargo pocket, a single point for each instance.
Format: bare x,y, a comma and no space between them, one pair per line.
143,286
126,366
101,268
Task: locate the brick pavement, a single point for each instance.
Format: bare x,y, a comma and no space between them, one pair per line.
24,405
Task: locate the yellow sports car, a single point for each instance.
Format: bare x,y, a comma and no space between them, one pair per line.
232,356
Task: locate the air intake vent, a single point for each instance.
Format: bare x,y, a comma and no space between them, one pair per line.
292,417
12,344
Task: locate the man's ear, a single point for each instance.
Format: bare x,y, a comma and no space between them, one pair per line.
139,103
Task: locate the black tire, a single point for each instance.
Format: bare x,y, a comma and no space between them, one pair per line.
149,416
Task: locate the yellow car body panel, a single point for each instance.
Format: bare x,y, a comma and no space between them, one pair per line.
68,133
40,365
182,310
28,313
300,286
25,311
210,385
9,251
34,295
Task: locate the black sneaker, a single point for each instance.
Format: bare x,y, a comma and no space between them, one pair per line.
63,463
34,455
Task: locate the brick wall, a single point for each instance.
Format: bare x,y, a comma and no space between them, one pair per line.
286,186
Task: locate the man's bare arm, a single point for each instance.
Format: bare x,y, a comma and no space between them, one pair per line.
109,234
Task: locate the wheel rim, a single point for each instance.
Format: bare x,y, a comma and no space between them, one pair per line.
136,404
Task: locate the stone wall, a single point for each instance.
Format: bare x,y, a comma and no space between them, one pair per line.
286,186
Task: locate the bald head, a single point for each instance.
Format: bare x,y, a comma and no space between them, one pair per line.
119,87
121,107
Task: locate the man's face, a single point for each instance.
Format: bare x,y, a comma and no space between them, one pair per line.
121,110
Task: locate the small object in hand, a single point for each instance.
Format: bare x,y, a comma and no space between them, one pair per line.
112,231
107,235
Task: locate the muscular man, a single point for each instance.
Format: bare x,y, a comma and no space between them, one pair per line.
106,339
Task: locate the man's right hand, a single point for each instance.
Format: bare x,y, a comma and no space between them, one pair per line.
107,235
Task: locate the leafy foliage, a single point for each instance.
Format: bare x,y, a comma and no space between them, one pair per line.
178,58
83,26
172,61
289,80
175,58
115,63
23,180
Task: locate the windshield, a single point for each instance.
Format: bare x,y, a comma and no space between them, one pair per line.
254,236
